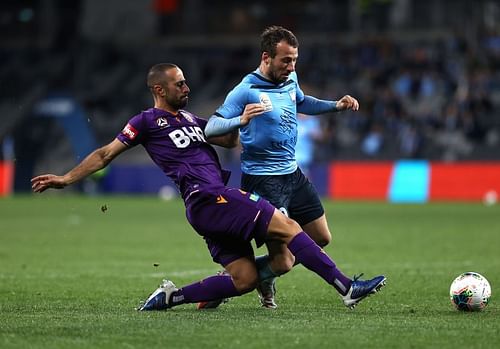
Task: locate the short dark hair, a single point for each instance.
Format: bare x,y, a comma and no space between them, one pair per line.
156,74
271,36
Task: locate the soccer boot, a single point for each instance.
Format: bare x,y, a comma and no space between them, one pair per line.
360,289
266,290
159,299
215,303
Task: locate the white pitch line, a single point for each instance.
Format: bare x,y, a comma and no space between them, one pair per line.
55,275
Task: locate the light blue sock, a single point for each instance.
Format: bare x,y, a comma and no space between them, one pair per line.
264,269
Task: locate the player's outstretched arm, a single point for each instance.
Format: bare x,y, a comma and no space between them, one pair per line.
314,106
95,161
224,132
347,102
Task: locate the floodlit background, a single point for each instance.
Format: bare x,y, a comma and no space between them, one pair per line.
73,268
426,73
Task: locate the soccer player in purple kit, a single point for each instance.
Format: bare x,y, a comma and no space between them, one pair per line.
227,218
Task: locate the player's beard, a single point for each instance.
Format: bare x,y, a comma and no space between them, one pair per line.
277,76
183,102
179,103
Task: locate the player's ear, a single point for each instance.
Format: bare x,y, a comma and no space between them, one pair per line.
266,57
158,90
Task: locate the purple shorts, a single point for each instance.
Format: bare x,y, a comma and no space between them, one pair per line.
228,219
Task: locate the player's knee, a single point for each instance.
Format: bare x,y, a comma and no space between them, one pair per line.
324,239
291,227
245,282
284,264
283,228
243,273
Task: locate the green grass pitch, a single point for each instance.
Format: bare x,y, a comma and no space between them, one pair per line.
71,276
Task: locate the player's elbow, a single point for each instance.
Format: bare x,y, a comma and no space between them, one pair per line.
230,140
103,157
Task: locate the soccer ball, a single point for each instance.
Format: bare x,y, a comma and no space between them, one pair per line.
470,292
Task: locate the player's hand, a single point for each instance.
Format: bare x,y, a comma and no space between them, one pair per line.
251,111
347,102
41,183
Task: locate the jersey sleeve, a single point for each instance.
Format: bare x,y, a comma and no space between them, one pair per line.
314,106
133,131
299,94
235,103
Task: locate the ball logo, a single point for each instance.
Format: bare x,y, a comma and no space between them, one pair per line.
130,132
162,122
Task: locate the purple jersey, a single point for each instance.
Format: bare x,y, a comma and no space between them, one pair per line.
176,143
227,218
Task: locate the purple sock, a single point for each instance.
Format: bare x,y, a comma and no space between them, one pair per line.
311,256
209,289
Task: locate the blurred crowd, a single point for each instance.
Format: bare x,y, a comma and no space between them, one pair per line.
437,99
424,94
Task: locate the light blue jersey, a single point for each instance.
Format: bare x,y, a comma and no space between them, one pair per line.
269,139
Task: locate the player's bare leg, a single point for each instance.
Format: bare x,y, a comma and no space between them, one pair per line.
281,260
318,231
244,276
311,256
241,279
278,262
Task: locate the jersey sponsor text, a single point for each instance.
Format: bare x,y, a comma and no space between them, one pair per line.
130,132
182,137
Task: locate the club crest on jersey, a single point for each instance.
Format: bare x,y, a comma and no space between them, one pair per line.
265,101
162,122
292,95
130,132
188,117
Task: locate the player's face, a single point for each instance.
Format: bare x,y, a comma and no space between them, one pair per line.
282,65
176,89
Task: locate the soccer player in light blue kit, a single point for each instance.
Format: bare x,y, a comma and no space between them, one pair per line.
268,159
